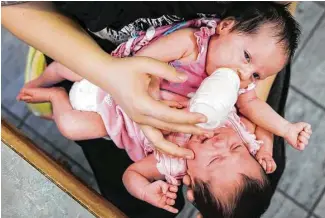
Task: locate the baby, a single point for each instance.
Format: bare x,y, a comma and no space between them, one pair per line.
245,40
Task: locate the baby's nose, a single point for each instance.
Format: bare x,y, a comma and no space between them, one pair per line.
244,74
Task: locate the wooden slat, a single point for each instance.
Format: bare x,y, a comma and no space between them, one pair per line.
88,198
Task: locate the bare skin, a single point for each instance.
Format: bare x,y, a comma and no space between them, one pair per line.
39,24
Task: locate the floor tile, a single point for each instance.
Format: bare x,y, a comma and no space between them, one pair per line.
70,163
320,209
282,207
14,120
303,178
189,211
13,56
38,141
307,14
4,83
8,97
28,193
322,3
48,130
308,70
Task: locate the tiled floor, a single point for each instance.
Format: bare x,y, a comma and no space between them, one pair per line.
300,193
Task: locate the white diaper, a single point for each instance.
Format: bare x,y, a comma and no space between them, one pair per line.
83,96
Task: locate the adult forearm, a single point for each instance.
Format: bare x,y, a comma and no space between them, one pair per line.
40,25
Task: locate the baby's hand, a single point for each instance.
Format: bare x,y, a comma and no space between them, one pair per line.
266,161
298,135
161,194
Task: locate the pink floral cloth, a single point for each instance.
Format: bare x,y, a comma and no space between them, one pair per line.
127,134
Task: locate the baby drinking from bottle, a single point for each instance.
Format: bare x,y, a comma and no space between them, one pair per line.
223,59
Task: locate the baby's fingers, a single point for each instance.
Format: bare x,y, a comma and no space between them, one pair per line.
301,146
302,139
305,134
170,201
170,209
171,195
173,188
263,164
268,166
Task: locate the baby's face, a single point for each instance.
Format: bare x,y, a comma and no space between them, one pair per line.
221,160
251,55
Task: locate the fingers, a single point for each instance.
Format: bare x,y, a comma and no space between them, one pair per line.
305,134
300,146
164,186
174,104
268,164
171,195
154,88
173,127
308,129
164,113
164,146
264,165
199,215
303,139
173,188
170,209
165,71
187,180
190,195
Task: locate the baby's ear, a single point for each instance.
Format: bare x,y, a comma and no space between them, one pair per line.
225,26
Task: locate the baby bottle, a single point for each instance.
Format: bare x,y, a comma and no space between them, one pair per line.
216,96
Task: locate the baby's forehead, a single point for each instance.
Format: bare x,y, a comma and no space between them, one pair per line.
230,130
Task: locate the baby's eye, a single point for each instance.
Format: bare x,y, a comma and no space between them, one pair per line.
237,146
256,76
247,57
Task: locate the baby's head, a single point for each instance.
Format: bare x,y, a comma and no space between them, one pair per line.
255,38
227,181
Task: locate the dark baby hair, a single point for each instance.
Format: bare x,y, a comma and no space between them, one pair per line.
250,16
249,200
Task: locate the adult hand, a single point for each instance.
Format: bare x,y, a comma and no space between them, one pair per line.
126,79
129,82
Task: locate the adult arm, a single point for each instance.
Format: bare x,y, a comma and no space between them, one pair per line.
40,25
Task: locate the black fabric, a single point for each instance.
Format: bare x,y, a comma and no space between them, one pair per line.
106,160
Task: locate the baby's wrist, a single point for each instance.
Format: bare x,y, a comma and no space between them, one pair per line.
286,129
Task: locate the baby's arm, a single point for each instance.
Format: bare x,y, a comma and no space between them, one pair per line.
260,113
139,180
174,46
265,153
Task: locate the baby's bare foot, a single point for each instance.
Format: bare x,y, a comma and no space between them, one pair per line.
265,159
298,135
38,95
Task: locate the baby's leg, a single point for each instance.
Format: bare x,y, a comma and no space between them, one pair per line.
53,74
73,124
